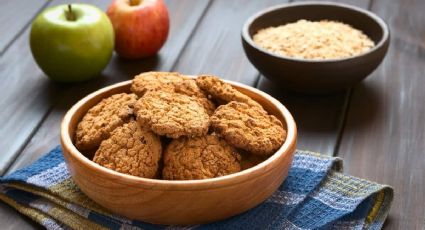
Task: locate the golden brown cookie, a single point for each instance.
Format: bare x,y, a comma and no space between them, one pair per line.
154,81
170,82
103,118
208,105
199,158
222,91
172,114
131,150
248,127
190,88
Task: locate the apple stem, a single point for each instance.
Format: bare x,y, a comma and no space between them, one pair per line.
135,2
69,14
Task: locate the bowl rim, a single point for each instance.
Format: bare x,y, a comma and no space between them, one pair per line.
223,181
367,13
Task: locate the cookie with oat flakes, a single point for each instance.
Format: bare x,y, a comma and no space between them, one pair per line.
131,150
170,82
102,119
155,81
222,91
190,88
248,127
172,114
199,158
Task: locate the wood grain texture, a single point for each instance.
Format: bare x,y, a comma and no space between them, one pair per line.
15,15
25,97
319,117
360,3
12,219
216,47
385,130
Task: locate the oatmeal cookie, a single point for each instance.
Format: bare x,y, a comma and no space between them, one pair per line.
131,150
103,118
199,158
173,83
248,127
190,88
208,105
172,114
223,91
155,81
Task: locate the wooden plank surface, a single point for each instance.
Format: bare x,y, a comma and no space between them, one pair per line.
319,118
25,97
216,46
385,130
15,15
11,219
365,4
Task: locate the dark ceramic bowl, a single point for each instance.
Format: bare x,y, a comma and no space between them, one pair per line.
314,76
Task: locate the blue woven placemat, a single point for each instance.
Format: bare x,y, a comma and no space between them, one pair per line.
315,195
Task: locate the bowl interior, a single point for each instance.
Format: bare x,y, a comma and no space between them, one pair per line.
270,104
267,104
360,19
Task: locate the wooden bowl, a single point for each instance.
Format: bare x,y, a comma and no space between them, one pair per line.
177,202
316,76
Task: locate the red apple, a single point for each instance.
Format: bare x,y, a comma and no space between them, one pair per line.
141,26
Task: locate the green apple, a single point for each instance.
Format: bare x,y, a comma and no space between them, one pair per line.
72,43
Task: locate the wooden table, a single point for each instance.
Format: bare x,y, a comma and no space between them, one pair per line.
378,127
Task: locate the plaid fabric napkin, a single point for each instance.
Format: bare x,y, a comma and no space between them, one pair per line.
315,195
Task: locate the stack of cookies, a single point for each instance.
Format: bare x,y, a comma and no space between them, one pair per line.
169,127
